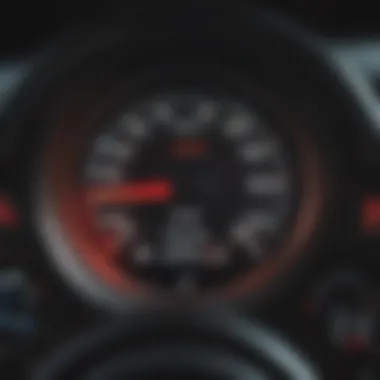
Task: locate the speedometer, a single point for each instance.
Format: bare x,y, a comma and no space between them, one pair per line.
188,190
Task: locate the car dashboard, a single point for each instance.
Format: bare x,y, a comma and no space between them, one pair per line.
191,192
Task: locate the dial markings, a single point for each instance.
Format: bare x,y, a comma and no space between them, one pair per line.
247,231
258,151
266,184
111,147
238,126
162,111
134,126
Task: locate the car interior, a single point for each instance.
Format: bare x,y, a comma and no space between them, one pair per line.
189,190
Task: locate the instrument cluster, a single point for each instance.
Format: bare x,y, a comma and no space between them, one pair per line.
186,170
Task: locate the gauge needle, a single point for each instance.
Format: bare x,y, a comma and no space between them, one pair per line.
134,192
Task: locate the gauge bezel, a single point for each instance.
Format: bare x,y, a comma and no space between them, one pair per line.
63,223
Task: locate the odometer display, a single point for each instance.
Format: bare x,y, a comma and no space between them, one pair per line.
189,190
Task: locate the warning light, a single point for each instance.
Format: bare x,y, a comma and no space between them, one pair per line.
189,149
370,214
8,215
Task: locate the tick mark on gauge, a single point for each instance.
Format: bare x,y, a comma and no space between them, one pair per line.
245,235
258,151
162,111
249,231
134,126
111,147
238,125
266,184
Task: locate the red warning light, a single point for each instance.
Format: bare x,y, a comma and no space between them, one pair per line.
370,215
9,217
189,149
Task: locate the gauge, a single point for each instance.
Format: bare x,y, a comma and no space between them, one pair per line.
187,186
346,303
184,190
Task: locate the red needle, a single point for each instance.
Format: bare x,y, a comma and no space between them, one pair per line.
148,191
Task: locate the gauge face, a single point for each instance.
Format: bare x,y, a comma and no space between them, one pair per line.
192,191
189,189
